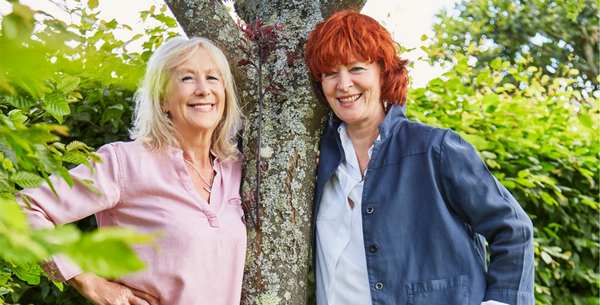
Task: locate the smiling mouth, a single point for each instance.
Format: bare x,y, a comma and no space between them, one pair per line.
204,107
350,99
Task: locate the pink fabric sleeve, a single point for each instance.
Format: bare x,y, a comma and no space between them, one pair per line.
74,203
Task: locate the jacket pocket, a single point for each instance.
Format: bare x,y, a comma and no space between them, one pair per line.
452,291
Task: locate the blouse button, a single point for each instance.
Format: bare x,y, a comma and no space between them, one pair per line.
370,210
373,248
379,286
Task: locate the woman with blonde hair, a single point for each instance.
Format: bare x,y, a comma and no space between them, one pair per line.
180,175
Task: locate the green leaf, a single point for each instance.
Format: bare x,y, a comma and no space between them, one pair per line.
107,253
9,152
496,63
75,157
57,106
508,184
12,216
524,182
69,84
92,4
10,26
489,155
95,158
548,199
64,173
551,233
490,98
88,184
21,102
586,120
546,257
47,159
58,285
477,141
17,116
77,145
492,164
27,179
29,273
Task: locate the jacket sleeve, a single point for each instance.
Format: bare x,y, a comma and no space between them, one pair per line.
483,202
74,203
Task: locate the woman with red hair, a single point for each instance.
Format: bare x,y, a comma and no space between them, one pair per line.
403,209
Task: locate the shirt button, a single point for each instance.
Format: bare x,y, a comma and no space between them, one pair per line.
373,248
379,286
370,210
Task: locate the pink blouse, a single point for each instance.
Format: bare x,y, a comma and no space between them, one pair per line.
201,258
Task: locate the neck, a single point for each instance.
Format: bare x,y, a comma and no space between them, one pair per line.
363,134
197,150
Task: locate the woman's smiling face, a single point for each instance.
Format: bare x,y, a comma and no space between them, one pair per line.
196,95
353,92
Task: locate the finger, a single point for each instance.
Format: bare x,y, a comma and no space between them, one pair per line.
133,300
318,153
140,294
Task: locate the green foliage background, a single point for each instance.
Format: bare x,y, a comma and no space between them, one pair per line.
537,132
65,88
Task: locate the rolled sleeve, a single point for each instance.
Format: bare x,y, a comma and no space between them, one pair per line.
479,198
74,204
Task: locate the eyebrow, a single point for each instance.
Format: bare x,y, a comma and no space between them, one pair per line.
183,70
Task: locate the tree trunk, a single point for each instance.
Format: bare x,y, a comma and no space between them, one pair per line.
278,250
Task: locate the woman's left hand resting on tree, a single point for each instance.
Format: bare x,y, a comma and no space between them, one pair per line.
103,292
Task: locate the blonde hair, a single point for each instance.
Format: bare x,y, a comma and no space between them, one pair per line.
153,127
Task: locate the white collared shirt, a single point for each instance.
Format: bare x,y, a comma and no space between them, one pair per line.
341,269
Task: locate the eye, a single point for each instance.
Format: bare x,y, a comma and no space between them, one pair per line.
329,75
212,77
357,69
186,78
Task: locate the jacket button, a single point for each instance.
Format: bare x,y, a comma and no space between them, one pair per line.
379,286
373,248
370,210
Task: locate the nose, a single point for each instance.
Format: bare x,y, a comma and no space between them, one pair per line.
202,88
344,81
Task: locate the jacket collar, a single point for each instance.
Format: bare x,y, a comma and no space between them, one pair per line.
332,152
393,118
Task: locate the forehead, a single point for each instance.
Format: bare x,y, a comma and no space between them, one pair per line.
199,61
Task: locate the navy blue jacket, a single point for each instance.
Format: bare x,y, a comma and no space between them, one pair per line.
428,202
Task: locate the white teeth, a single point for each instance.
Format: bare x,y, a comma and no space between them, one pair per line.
203,107
349,99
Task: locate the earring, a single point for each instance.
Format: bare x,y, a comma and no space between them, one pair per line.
384,105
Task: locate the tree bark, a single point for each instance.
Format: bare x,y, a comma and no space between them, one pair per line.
278,250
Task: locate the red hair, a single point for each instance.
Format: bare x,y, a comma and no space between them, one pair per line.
348,36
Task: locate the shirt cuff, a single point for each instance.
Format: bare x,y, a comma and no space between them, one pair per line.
491,302
60,269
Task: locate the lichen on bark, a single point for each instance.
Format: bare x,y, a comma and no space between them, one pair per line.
278,251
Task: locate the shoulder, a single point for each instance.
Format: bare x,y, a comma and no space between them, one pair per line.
416,137
134,148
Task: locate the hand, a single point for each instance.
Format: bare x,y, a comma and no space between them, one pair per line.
318,155
102,292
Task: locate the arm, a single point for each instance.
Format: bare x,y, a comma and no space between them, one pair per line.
76,203
476,196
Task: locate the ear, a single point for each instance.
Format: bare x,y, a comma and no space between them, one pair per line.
164,106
